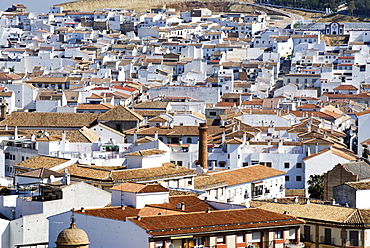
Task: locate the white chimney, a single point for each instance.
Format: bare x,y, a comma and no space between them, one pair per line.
135,136
64,136
15,132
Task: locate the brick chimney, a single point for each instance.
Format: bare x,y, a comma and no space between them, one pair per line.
203,149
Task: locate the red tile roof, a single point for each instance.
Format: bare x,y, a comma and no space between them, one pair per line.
139,188
214,221
247,174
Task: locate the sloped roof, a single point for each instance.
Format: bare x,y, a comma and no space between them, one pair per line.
247,174
120,113
147,152
151,105
359,185
40,173
138,175
41,161
139,188
191,203
311,211
361,168
214,221
49,119
208,181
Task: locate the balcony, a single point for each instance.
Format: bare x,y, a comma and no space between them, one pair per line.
327,240
292,243
353,243
306,238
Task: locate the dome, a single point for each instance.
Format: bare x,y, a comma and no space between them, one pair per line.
72,236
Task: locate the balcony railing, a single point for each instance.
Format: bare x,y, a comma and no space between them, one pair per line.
306,238
326,240
353,243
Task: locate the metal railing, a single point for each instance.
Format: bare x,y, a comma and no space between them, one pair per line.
306,238
327,240
353,243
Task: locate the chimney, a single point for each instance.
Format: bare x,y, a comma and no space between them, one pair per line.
274,199
307,200
135,137
203,152
3,109
64,136
182,206
138,217
15,132
66,177
208,210
296,200
82,209
156,135
123,207
223,137
238,125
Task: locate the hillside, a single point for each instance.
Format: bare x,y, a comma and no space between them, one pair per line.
144,5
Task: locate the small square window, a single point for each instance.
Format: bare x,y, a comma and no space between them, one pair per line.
299,165
286,178
286,165
298,178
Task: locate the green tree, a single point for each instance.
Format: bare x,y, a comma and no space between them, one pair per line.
351,7
316,186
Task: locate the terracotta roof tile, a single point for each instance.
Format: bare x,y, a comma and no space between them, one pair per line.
139,188
49,119
120,113
41,161
247,174
215,221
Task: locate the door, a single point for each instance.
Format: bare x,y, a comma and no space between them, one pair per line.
353,237
328,236
307,233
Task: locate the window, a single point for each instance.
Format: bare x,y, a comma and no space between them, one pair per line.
220,239
299,165
298,178
240,238
268,164
188,140
286,165
245,164
278,234
286,178
212,113
159,244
